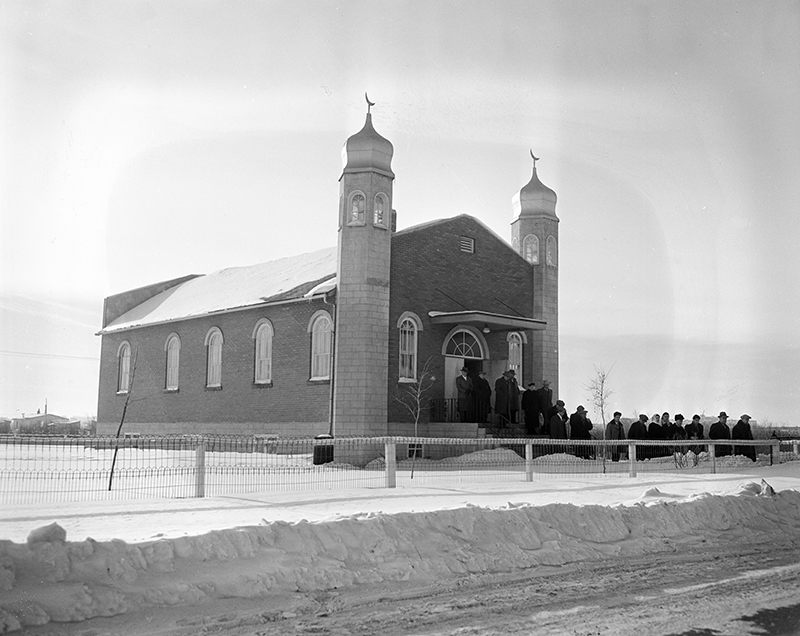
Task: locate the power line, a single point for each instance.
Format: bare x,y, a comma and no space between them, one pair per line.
30,354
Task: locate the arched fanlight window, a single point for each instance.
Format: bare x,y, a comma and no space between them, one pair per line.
124,368
262,336
530,249
463,344
173,349
214,343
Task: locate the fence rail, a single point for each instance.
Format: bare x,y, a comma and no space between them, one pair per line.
65,469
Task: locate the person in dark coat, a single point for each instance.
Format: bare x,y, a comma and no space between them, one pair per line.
615,430
513,396
530,405
694,430
546,400
654,432
720,430
483,397
741,430
553,410
579,427
558,424
678,431
465,390
502,389
638,430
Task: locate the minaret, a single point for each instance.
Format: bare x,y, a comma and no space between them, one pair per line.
360,398
534,234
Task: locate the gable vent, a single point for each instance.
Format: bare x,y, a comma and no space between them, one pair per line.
468,244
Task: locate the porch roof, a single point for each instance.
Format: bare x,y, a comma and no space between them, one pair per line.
481,319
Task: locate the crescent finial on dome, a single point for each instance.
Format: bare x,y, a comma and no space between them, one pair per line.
535,158
369,103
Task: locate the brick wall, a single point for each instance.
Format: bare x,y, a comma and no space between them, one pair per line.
290,406
430,272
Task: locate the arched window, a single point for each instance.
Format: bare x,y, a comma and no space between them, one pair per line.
214,358
381,204
358,203
321,329
463,344
409,326
124,368
530,249
173,349
515,355
262,335
552,254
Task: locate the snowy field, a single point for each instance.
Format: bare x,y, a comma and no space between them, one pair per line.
128,558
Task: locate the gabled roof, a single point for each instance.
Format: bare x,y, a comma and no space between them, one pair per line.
232,288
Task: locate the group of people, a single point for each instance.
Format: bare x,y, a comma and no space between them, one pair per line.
543,417
661,428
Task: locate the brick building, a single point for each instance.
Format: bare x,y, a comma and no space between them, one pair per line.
332,340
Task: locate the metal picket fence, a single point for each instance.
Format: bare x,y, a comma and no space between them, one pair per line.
65,469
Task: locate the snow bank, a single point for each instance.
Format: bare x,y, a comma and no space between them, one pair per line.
50,579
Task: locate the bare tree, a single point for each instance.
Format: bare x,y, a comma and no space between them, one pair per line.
599,393
122,417
414,396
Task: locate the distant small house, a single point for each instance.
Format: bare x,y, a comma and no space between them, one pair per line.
45,424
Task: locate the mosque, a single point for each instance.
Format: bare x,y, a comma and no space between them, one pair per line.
333,341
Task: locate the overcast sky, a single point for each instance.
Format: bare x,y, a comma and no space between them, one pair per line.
147,140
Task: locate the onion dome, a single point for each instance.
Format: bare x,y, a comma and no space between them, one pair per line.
367,151
535,199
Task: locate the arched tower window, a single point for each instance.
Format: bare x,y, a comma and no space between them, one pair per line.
358,204
515,355
173,349
381,206
214,343
124,368
262,337
552,252
530,249
321,329
409,326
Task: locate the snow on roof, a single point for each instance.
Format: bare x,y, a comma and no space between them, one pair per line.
236,288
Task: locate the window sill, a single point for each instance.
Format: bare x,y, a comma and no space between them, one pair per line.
214,388
122,392
171,390
406,381
319,381
262,385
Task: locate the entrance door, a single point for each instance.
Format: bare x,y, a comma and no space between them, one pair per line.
452,369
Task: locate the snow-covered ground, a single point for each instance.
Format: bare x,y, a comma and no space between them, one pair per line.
113,557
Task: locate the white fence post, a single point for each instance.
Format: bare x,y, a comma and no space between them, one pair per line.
795,448
528,462
390,454
775,455
632,458
712,455
200,469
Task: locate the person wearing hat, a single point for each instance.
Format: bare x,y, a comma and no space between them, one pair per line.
741,430
579,427
546,401
615,430
483,397
720,430
694,430
513,396
530,405
502,389
465,389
